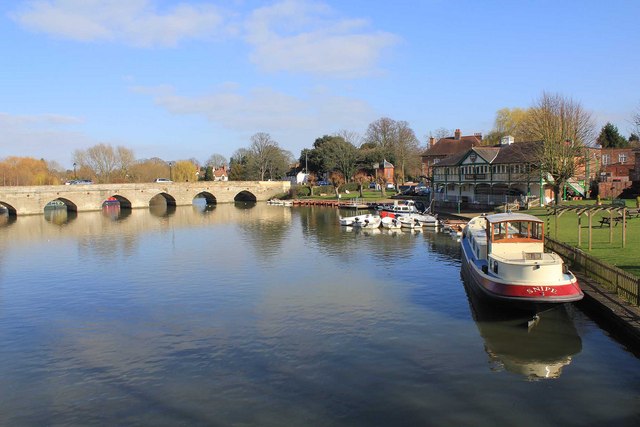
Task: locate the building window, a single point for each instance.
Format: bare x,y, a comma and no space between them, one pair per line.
436,161
606,159
622,158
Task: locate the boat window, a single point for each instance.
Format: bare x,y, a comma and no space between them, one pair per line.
536,230
519,229
499,231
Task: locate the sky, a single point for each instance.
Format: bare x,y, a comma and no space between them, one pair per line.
188,79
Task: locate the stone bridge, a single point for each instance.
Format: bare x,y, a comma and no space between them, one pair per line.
78,198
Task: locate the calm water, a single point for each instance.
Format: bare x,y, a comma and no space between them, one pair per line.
275,316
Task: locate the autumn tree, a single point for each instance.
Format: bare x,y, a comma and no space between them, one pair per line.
565,127
361,178
146,170
27,171
185,171
336,179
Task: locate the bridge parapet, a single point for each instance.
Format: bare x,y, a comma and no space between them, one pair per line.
32,199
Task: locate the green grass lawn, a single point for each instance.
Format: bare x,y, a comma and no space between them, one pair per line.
627,258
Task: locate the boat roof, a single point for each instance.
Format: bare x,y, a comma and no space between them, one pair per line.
510,216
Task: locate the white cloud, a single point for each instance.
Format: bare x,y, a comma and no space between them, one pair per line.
134,22
300,36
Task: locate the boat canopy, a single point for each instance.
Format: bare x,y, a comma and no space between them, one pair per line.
515,227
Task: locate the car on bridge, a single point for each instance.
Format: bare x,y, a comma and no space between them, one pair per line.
79,182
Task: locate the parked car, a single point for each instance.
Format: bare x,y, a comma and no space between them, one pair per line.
79,182
162,180
323,183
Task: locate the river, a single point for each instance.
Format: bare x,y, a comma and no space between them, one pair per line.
261,315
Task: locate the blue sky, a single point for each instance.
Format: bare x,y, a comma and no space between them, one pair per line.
186,79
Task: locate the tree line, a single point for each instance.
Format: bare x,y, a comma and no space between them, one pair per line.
345,156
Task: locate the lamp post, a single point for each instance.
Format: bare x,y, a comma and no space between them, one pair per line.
74,171
170,171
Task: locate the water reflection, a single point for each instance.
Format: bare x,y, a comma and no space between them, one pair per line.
59,215
114,212
162,210
539,351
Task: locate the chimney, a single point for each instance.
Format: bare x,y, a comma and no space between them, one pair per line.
506,140
432,141
457,135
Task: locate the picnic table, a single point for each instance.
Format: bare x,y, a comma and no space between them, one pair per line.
631,213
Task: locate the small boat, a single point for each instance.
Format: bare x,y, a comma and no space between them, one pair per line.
390,223
403,207
409,221
278,202
503,256
348,221
369,221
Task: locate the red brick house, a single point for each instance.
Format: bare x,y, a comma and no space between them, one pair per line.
446,147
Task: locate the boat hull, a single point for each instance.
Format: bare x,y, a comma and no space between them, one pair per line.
527,296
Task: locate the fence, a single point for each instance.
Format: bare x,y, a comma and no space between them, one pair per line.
624,284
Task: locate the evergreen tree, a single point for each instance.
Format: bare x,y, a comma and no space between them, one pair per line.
610,137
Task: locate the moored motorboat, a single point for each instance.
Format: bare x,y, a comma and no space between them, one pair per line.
369,221
390,223
348,221
409,221
503,255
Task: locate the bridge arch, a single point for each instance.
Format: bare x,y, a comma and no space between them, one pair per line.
62,202
245,196
209,198
162,199
7,209
123,201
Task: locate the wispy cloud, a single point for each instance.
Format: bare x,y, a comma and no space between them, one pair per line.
264,109
301,36
133,22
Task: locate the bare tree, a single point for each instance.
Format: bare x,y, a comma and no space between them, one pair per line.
565,128
216,161
350,136
406,149
263,148
382,133
440,133
636,121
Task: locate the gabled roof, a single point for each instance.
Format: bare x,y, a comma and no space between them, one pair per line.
450,145
519,152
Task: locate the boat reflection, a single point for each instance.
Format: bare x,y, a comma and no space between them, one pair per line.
115,212
537,350
59,215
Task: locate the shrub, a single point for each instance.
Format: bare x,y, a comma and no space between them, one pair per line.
301,191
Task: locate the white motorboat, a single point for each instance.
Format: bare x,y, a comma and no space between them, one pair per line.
504,258
370,221
348,221
408,221
390,223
